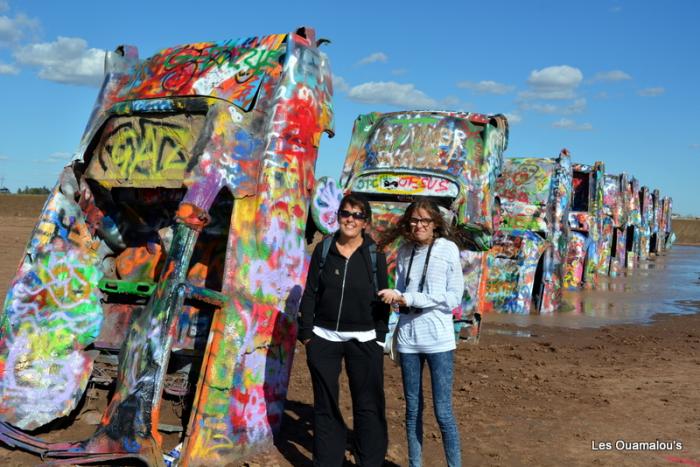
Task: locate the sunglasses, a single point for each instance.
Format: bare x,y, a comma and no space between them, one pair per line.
357,215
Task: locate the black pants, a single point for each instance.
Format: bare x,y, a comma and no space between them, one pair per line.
364,364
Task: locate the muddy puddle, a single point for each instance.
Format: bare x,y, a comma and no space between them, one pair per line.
665,284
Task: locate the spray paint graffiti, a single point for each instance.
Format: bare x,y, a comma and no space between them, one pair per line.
183,230
616,210
525,265
634,223
647,216
586,219
452,157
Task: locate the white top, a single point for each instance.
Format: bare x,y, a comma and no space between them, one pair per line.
344,336
430,331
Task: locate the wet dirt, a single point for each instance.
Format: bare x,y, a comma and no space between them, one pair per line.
547,394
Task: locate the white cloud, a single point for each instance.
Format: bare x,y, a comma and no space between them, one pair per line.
59,156
66,60
576,107
554,82
7,69
541,108
652,92
4,6
568,124
391,93
4,158
9,31
450,102
14,29
486,87
513,118
339,84
602,95
399,71
372,58
615,9
611,76
695,146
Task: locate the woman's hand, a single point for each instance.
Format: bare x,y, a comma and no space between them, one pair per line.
390,296
387,295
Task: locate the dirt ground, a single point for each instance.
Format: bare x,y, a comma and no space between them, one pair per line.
548,399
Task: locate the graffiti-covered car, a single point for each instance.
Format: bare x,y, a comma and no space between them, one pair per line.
526,263
667,210
634,223
657,235
646,210
613,259
586,225
169,258
450,157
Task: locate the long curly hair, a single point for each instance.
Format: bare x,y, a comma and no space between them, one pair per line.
403,227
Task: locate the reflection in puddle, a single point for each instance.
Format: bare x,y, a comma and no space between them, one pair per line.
665,284
506,332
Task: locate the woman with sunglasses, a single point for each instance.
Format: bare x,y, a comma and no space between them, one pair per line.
343,319
429,285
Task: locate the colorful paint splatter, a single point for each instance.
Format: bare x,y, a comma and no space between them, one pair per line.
526,262
179,226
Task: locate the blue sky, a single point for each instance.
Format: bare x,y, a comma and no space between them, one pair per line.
610,80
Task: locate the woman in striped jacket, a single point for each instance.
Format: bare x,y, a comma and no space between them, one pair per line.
429,285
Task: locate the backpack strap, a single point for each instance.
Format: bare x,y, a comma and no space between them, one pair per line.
325,248
373,258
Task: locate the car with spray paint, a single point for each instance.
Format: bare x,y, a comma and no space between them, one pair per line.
634,223
526,263
168,261
614,258
667,209
657,233
586,225
450,157
646,209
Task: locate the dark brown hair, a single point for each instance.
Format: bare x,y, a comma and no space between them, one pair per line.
403,226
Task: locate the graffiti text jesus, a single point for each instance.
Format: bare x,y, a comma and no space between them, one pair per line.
406,184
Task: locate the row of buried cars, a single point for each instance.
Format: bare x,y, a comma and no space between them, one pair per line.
169,260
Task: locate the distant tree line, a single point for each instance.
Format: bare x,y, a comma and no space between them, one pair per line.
33,191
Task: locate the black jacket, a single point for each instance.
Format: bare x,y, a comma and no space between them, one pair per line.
361,309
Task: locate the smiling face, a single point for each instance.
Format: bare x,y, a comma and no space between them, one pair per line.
422,226
350,226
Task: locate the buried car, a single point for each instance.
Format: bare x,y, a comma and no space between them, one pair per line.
666,216
614,259
634,223
526,262
646,209
169,258
586,225
451,157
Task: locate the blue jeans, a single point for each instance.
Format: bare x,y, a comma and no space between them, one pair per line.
441,366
